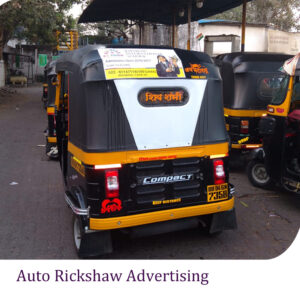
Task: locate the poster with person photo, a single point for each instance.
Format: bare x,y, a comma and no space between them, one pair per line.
134,63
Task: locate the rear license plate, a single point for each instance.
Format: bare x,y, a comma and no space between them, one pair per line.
217,192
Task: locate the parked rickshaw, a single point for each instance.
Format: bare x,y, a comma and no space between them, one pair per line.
278,162
45,89
51,140
249,82
141,150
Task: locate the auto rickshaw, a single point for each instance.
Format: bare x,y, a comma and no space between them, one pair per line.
142,143
249,82
279,160
50,132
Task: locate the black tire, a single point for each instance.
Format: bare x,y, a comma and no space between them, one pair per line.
90,245
258,175
78,234
49,148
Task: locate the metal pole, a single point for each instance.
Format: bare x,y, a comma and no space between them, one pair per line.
189,25
244,25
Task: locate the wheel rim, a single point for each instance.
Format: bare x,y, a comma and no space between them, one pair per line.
77,234
259,174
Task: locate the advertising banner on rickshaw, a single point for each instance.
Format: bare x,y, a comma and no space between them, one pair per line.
133,63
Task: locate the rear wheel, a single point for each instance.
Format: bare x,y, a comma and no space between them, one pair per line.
90,244
258,175
77,233
51,150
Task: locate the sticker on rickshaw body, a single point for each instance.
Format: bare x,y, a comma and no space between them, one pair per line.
135,63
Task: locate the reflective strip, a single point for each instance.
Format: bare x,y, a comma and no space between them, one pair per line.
160,216
128,157
248,146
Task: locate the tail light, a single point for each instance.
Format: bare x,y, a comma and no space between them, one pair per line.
244,126
219,172
112,184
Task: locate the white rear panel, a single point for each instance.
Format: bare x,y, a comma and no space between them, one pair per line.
161,127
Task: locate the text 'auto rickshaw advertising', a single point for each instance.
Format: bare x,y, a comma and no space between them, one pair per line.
141,63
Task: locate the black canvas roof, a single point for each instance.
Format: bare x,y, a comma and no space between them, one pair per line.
87,63
236,58
242,74
254,61
51,68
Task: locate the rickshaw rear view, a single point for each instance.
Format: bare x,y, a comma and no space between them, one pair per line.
142,143
51,141
250,80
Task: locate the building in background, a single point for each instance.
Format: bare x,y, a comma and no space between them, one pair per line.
259,37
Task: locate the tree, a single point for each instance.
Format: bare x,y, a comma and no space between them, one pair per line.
104,32
282,14
34,20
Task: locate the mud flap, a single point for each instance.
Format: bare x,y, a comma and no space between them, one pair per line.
95,244
223,221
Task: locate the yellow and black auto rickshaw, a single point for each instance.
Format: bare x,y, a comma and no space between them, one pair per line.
279,160
51,140
142,142
249,82
44,98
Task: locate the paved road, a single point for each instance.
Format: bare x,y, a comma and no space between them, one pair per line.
35,223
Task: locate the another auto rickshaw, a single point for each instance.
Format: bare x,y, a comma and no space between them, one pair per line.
45,89
142,142
279,160
249,82
51,141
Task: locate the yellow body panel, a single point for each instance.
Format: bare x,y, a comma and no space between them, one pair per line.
50,110
244,113
283,109
52,140
160,216
57,94
128,157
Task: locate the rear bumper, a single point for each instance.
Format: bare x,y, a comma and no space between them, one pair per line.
160,216
246,146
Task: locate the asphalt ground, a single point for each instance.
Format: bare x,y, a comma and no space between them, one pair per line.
35,222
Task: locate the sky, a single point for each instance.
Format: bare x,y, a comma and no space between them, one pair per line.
76,11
